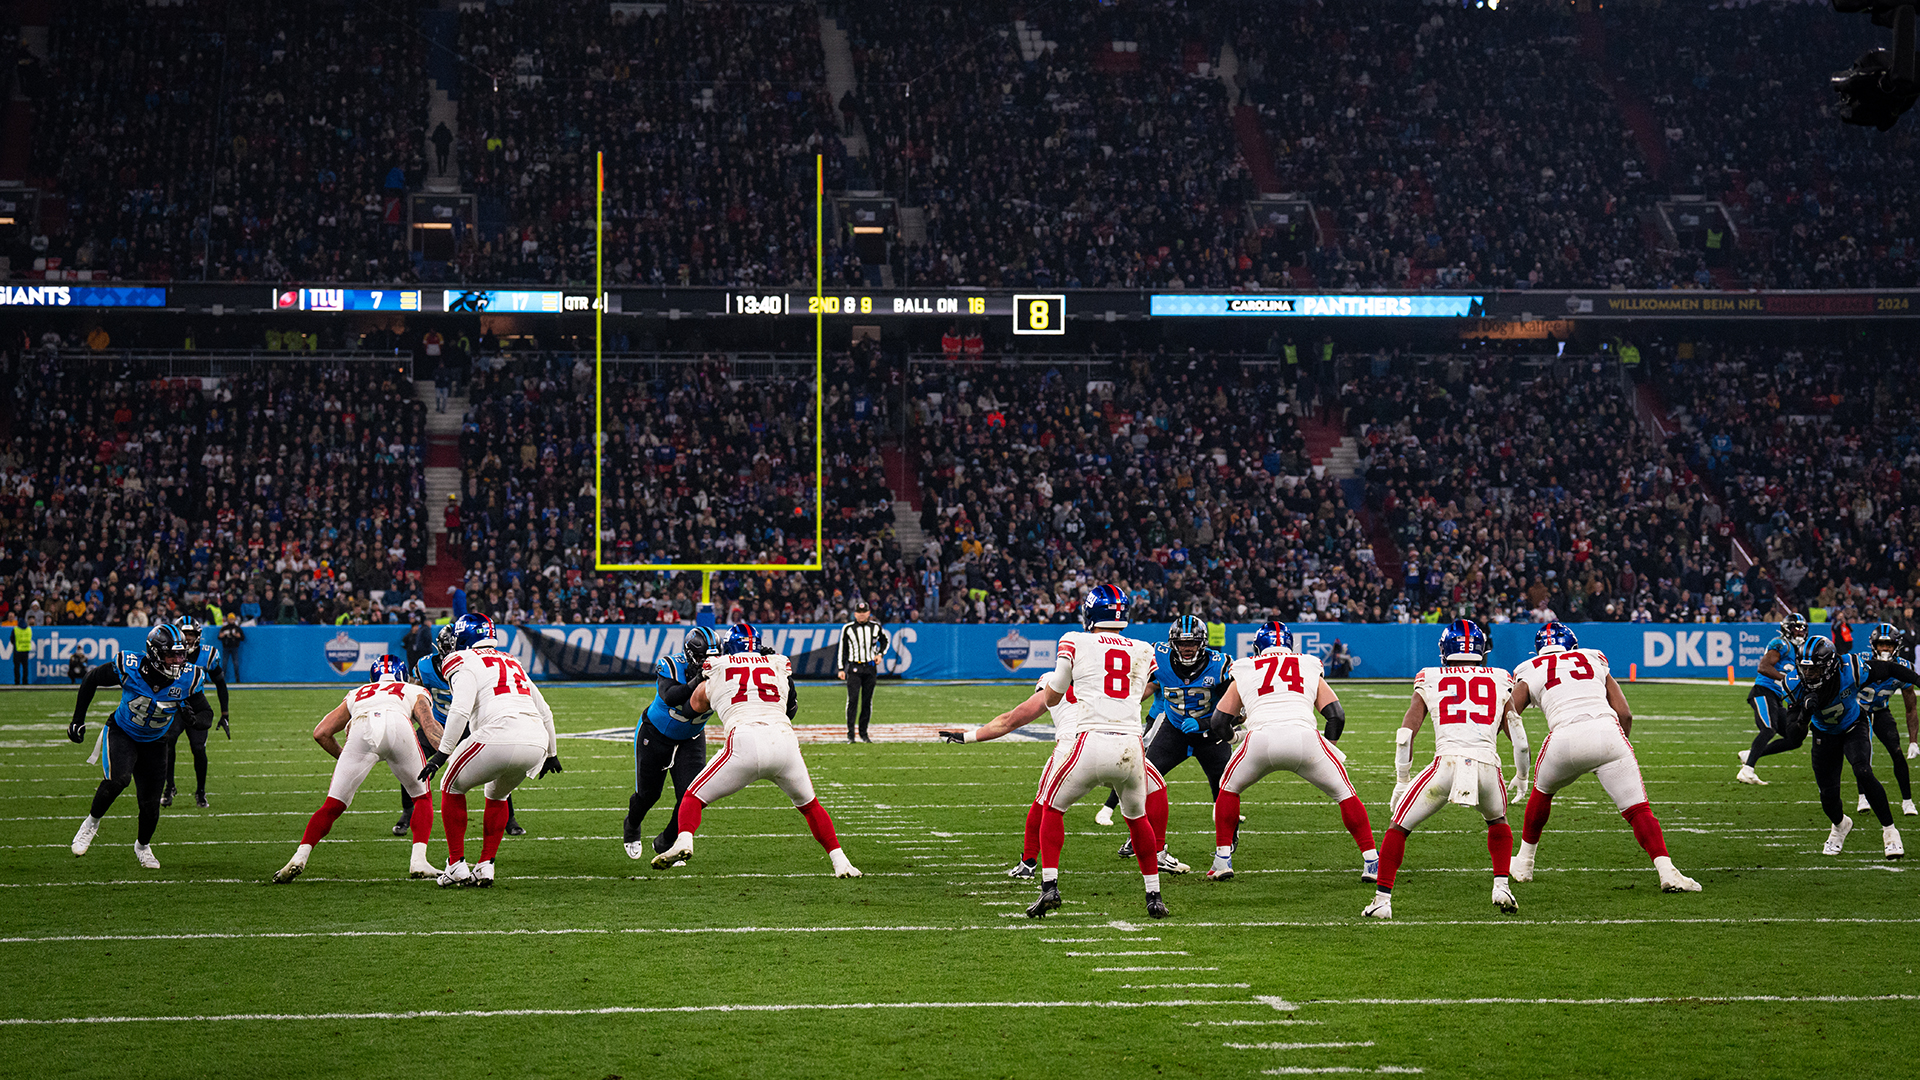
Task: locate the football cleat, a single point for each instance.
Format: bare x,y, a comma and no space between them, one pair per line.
1049,900
1522,868
1156,907
144,853
420,869
1906,807
678,853
636,849
1126,850
1369,870
1222,868
1675,881
482,875
1837,836
847,871
1171,865
287,873
1746,775
1742,755
1503,899
1103,816
1863,805
1380,907
405,822
83,839
200,800
513,827
166,797
1024,868
1891,836
456,873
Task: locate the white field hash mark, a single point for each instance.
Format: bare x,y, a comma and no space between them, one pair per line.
1295,1045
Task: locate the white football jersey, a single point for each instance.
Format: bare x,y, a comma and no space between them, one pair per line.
1068,716
383,699
1110,672
1570,687
493,701
1278,687
750,688
1466,703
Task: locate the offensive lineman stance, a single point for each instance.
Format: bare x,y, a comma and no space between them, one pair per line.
670,738
753,695
384,721
509,738
441,696
1280,690
206,653
1587,726
156,688
1188,680
1773,692
1468,703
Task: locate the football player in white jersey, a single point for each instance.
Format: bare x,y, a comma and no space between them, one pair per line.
1107,674
379,720
510,738
1066,718
1468,702
1587,725
752,693
1280,690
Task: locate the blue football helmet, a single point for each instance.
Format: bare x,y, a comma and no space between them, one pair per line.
1794,628
388,668
1821,665
190,630
743,637
474,629
1463,640
1187,637
1271,634
701,643
167,650
1104,606
1555,635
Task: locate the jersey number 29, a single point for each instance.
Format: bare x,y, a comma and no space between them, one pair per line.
1466,699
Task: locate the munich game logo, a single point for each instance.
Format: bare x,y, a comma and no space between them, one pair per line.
1013,649
342,653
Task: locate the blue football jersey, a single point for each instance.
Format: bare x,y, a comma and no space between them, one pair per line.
209,655
438,691
1842,710
1875,693
1187,703
673,723
146,712
1789,665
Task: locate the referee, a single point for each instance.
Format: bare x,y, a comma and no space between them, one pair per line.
858,665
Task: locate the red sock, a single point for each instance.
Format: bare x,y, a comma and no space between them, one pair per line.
493,826
821,823
1500,846
1353,814
1143,851
423,818
1030,847
1646,829
453,819
690,808
1392,850
1157,818
1539,805
323,819
1053,834
1226,818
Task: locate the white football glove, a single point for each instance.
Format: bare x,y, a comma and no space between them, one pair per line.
1337,752
1516,786
1399,792
1913,750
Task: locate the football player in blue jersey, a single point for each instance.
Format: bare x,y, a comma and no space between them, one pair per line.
1772,695
159,689
669,738
1189,678
1830,703
1888,643
206,653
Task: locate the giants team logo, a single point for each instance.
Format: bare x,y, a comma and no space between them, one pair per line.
1013,649
343,653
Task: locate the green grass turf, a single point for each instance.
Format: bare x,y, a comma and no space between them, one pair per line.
755,920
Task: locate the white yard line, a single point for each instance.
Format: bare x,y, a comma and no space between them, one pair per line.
1296,1045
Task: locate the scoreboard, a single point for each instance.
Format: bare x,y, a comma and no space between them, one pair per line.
841,302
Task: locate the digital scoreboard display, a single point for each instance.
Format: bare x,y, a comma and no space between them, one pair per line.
347,299
81,296
1194,305
504,301
947,305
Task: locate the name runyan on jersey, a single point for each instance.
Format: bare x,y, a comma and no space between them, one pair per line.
1110,673
1570,687
750,688
494,702
1466,703
1278,687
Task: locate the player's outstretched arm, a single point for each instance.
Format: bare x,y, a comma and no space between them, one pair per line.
101,676
1410,725
327,733
697,701
1522,753
1617,700
1328,703
1769,666
423,719
1224,715
1017,717
1060,681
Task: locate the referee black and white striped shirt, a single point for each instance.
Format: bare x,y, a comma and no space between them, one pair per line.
860,643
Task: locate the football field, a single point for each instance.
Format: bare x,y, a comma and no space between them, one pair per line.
753,961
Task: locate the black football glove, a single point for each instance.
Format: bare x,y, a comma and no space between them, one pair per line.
766,650
225,728
954,736
77,731
1221,728
434,761
552,764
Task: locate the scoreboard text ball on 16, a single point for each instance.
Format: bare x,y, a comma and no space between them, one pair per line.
1039,314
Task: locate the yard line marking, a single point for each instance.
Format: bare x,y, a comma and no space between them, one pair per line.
1192,986
1711,999
610,1010
1301,1070
1134,952
1295,1045
1250,1023
1160,969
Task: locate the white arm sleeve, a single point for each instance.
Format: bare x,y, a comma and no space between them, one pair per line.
1402,754
1062,677
1517,731
464,688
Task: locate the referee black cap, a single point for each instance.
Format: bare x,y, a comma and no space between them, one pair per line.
862,606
